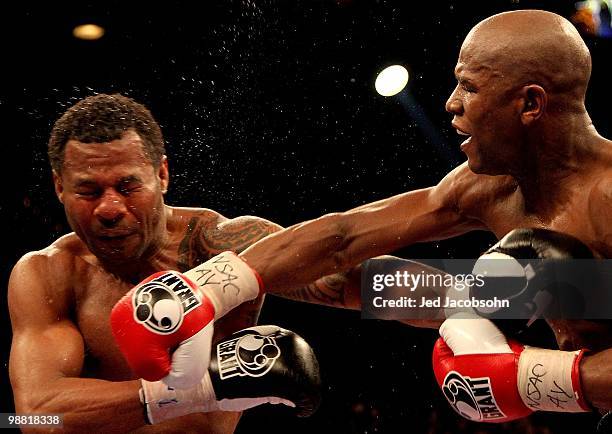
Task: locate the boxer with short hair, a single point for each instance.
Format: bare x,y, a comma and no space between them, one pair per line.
534,160
111,173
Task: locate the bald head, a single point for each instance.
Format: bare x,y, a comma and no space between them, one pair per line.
531,47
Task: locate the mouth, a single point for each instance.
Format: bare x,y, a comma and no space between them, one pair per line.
114,236
463,133
460,131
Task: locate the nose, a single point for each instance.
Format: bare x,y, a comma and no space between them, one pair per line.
110,209
453,104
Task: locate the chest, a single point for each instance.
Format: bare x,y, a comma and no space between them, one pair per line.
95,300
571,216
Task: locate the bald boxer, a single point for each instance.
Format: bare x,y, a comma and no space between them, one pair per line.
111,174
534,159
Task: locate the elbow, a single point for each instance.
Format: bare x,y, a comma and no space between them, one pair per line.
27,403
32,404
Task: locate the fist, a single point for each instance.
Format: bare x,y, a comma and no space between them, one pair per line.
163,312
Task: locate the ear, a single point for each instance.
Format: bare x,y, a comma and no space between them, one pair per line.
163,174
59,187
534,101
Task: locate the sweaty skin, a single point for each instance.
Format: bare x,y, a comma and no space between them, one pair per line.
64,358
534,159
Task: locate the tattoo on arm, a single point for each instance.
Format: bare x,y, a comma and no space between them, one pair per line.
236,235
206,237
328,290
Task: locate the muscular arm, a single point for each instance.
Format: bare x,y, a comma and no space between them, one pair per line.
337,290
334,243
47,356
596,376
344,290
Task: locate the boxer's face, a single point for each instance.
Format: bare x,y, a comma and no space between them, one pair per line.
113,197
484,111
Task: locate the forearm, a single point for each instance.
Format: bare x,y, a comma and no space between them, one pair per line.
344,289
336,242
337,290
596,377
87,405
300,254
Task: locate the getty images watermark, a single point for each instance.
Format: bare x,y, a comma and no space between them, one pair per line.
429,279
394,288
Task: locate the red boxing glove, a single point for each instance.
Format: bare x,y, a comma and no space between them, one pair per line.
487,378
163,312
173,313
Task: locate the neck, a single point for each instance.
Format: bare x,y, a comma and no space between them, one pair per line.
552,157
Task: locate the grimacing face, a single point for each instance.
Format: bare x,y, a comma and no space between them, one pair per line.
485,112
113,197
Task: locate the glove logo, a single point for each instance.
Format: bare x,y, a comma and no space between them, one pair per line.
472,398
250,355
161,304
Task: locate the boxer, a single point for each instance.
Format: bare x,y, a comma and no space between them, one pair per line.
534,160
111,174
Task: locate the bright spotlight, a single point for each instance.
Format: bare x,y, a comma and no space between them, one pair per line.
391,80
89,32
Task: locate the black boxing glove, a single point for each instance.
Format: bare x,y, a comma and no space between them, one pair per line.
254,366
266,361
528,267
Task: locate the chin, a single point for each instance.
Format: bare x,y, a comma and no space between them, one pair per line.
479,168
475,166
114,258
117,256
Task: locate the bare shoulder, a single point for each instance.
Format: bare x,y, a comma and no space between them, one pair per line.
53,262
43,277
599,203
603,185
239,233
471,193
600,197
207,233
600,207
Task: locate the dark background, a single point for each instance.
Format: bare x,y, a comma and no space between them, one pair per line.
268,108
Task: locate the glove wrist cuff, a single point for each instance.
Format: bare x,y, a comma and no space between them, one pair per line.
162,402
577,383
549,380
227,280
208,398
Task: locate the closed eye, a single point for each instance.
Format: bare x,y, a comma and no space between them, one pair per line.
467,86
128,190
128,185
87,194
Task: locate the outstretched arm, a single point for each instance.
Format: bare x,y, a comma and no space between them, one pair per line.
344,290
336,242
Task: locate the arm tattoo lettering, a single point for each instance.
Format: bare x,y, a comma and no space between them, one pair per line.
328,290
